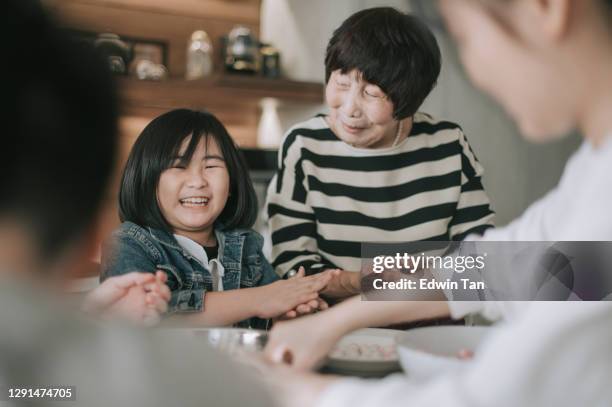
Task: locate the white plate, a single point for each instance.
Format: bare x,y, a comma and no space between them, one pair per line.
432,351
369,364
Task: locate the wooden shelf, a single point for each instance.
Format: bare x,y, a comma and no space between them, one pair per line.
239,11
234,99
217,92
168,22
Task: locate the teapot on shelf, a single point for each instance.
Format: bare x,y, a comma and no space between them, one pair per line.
116,51
241,51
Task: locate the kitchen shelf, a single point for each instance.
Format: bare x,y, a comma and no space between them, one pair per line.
219,91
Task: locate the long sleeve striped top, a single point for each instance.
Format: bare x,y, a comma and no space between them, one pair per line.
328,197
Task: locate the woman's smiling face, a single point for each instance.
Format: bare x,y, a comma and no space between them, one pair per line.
361,114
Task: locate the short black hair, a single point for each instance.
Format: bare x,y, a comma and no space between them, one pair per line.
154,152
393,50
60,128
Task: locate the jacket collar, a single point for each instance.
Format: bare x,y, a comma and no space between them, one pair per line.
223,235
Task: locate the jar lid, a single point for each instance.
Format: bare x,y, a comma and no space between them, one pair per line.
200,35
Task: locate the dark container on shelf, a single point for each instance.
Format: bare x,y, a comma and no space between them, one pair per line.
241,51
117,52
270,62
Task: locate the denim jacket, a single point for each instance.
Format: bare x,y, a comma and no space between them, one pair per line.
135,248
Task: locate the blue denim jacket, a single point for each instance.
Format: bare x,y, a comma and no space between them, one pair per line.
134,248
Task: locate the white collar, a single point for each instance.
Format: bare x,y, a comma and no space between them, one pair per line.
197,250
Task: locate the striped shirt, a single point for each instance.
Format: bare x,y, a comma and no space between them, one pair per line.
328,197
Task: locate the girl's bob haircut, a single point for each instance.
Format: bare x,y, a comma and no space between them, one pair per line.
154,152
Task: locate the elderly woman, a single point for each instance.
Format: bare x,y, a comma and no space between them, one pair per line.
374,169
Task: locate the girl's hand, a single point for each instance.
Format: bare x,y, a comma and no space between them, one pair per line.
283,296
137,297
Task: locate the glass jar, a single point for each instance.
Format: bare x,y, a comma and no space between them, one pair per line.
199,56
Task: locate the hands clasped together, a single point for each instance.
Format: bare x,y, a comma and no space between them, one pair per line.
312,292
137,297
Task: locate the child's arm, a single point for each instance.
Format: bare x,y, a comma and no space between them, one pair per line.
268,301
123,254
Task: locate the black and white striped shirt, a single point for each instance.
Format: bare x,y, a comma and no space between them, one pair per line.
328,197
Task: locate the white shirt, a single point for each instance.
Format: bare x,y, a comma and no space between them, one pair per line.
579,208
214,265
547,353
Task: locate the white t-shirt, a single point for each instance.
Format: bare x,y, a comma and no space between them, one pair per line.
216,269
547,353
578,209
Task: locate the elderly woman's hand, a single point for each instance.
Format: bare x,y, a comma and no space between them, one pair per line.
310,307
342,284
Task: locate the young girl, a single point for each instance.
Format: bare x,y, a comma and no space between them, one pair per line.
187,204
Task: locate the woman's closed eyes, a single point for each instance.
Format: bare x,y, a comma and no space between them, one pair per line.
374,93
343,82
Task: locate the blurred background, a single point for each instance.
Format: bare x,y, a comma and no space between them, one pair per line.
258,65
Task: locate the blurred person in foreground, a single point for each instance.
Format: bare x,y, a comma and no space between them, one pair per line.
549,63
58,153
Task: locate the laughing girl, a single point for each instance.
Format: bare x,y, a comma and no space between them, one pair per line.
187,205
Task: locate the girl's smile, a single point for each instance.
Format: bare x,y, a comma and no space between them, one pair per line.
195,201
